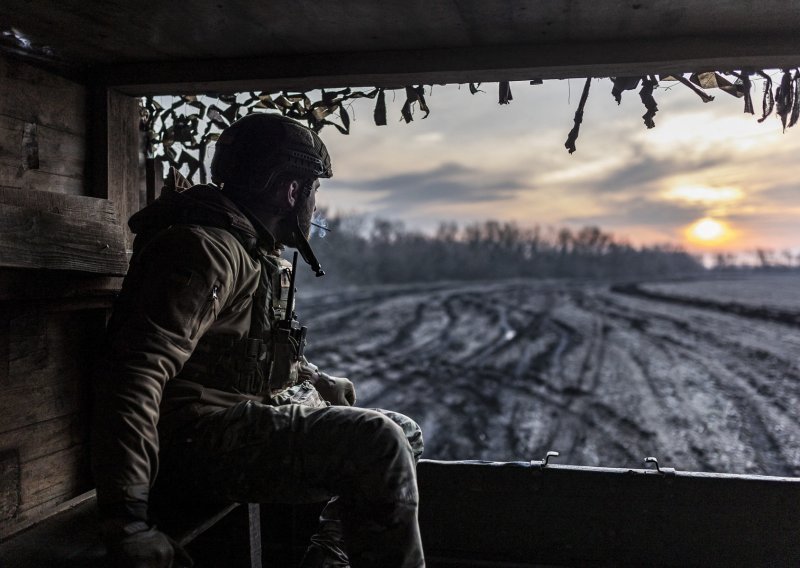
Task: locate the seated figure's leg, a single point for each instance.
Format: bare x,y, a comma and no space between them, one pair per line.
327,547
411,430
257,453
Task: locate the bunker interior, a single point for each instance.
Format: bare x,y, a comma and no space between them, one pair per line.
71,173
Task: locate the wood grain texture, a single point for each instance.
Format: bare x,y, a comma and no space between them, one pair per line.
31,238
394,43
123,157
117,31
394,69
61,158
44,486
33,95
60,475
27,405
46,349
46,113
10,491
48,437
90,208
61,256
45,403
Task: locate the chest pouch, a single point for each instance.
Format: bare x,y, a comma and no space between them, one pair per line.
267,361
288,337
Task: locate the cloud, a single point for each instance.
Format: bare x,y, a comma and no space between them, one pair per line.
641,170
786,193
642,211
472,158
449,182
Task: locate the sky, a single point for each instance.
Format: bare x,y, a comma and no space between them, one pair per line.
708,177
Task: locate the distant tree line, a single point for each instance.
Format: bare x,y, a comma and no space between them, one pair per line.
759,260
378,251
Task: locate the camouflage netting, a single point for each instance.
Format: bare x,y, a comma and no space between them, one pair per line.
179,134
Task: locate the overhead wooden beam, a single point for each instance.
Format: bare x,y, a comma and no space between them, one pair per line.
461,65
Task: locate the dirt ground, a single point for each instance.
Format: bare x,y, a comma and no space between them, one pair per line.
605,376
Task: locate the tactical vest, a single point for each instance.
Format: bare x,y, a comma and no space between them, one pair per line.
259,363
267,360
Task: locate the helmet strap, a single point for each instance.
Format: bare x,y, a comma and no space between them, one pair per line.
300,242
289,226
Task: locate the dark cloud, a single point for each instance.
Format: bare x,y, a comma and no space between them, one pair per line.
641,170
642,211
447,183
783,193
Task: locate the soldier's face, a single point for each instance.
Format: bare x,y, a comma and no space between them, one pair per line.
306,207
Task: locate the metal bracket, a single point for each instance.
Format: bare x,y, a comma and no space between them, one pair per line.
541,464
662,471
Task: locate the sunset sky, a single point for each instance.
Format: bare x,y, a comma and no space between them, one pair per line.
707,176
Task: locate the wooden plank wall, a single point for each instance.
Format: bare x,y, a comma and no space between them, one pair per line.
63,199
42,130
40,229
47,359
47,219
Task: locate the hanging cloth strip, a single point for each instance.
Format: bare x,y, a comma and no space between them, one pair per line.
504,96
646,94
768,103
573,134
784,98
796,107
623,84
747,87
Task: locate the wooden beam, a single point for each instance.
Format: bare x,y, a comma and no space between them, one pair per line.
458,65
63,232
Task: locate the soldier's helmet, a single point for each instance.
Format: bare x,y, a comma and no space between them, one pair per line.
258,147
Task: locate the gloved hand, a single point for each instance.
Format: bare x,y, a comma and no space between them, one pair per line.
137,545
339,391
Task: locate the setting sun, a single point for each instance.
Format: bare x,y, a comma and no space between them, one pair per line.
708,231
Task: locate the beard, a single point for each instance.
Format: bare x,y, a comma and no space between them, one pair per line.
295,227
305,212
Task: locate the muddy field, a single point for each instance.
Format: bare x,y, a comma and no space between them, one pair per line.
605,376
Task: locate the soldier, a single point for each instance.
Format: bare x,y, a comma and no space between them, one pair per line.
203,359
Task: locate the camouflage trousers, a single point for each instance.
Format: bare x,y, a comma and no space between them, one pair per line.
362,460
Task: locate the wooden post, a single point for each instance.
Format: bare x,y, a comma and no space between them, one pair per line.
254,533
114,152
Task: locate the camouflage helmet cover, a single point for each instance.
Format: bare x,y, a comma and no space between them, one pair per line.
255,148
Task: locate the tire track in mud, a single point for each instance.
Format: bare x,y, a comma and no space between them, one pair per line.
741,388
763,444
615,429
750,407
565,397
511,370
751,364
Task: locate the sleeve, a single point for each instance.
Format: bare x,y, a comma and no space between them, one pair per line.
170,297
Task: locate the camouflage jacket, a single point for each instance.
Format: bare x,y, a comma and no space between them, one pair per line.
193,279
